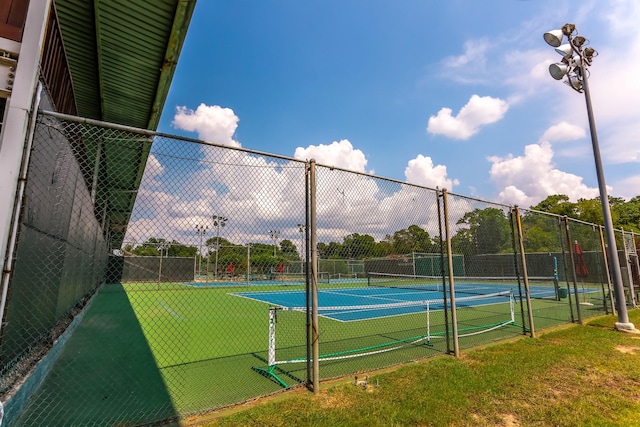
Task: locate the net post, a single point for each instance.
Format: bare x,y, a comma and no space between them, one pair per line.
428,323
269,372
272,337
512,303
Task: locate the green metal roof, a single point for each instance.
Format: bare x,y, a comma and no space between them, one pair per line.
121,56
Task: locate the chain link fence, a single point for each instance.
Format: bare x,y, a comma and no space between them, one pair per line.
143,297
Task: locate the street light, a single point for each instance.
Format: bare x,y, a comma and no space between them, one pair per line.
201,230
218,221
274,235
302,228
575,60
162,245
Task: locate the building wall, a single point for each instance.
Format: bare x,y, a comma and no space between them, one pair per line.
12,17
61,250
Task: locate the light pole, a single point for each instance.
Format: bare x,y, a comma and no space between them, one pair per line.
274,235
248,263
161,247
218,221
302,228
201,230
576,57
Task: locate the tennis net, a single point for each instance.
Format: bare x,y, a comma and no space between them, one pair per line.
392,327
540,287
296,278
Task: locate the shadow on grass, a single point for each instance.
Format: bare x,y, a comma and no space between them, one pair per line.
105,374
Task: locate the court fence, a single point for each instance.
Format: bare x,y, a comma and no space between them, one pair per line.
236,274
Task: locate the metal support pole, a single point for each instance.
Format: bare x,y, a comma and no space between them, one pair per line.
14,224
627,260
307,276
606,271
623,317
573,269
314,277
96,172
248,263
215,273
525,275
512,213
442,275
452,293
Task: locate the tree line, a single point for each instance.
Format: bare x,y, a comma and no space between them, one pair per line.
481,231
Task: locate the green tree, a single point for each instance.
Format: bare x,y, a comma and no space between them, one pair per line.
628,214
289,250
357,246
541,233
558,204
488,232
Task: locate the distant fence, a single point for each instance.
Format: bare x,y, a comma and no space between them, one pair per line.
134,333
149,269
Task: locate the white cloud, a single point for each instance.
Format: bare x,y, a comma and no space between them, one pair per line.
420,171
628,187
528,179
211,122
478,112
474,54
340,154
563,131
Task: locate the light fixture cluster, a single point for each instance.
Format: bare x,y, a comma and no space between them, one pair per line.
576,56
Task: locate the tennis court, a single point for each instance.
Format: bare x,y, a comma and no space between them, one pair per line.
352,304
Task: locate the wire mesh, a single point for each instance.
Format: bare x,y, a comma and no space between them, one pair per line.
158,277
375,225
482,234
589,288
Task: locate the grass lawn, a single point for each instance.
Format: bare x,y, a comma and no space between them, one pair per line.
572,376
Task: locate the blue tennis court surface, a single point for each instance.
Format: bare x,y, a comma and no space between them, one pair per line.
350,304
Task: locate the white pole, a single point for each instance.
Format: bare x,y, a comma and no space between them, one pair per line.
272,337
428,323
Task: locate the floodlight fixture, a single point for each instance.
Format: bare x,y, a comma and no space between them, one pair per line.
575,69
578,41
553,38
565,49
590,53
558,70
575,82
568,29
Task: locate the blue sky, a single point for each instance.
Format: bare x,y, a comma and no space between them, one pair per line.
452,94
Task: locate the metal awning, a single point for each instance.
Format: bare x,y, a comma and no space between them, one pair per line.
121,56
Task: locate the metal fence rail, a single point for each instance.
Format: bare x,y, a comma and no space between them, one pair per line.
206,297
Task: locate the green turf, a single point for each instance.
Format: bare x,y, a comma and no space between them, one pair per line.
149,351
105,375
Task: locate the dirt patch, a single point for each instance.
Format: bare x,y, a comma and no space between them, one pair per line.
510,420
334,401
627,349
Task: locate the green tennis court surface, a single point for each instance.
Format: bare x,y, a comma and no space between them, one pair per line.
186,349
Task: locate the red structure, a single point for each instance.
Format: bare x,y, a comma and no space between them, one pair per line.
581,265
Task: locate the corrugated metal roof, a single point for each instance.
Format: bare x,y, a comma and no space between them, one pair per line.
119,52
122,55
